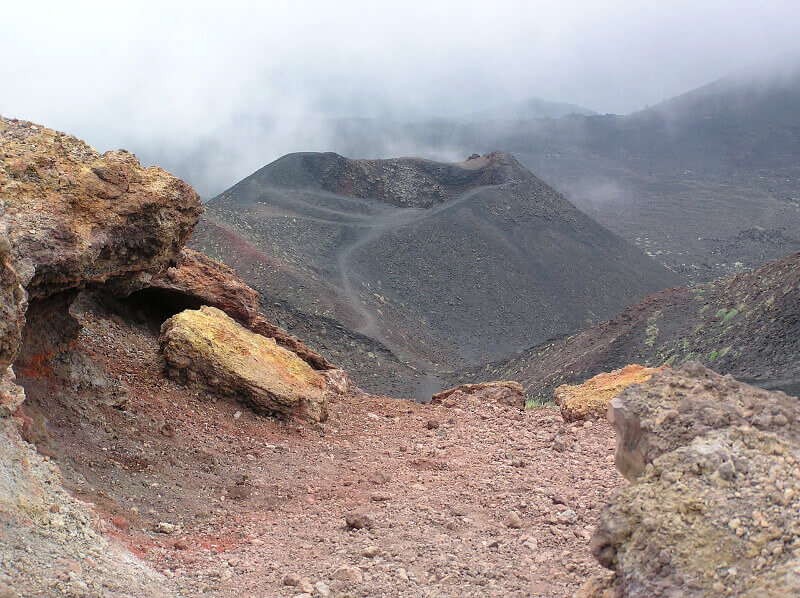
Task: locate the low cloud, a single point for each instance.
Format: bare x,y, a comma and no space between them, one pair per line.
215,91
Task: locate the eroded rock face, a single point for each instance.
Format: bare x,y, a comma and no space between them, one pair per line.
714,506
590,399
208,348
69,218
76,217
720,513
501,392
11,394
679,405
199,278
12,304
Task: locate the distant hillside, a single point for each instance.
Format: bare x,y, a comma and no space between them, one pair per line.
747,326
526,110
707,182
401,269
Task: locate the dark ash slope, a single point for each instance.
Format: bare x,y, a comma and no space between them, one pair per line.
401,269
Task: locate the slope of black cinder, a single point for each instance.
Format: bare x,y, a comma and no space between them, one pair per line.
400,269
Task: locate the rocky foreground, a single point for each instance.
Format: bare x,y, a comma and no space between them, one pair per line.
160,437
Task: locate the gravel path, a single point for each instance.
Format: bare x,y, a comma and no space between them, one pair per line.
459,500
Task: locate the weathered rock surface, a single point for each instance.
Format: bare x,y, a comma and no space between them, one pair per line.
12,303
209,348
195,280
76,217
11,394
679,405
713,509
200,279
590,399
502,392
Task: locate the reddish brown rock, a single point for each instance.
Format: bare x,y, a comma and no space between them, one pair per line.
501,392
204,281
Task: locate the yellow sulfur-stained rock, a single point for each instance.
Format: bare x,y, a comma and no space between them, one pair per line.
209,348
714,466
76,217
590,400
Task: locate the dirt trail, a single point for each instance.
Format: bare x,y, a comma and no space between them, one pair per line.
466,500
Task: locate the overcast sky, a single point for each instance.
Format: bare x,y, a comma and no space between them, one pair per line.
118,73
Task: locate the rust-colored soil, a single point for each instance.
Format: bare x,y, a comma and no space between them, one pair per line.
470,500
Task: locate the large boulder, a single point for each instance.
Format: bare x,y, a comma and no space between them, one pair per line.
720,514
677,406
206,347
590,400
76,217
713,510
195,279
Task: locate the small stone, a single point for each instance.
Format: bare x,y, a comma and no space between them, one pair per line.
568,516
379,477
380,496
370,552
348,574
513,520
358,521
322,589
432,424
180,544
726,471
166,528
291,579
306,587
